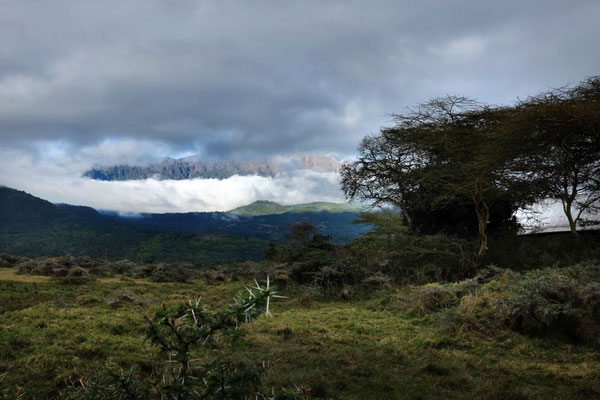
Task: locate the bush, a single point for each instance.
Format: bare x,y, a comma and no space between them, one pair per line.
9,260
44,268
172,273
414,259
378,280
555,301
56,266
434,297
60,272
213,275
528,252
188,336
26,266
76,276
562,302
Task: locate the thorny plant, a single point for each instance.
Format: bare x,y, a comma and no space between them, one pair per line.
183,328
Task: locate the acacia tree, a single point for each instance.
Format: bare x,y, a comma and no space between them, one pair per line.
561,129
445,152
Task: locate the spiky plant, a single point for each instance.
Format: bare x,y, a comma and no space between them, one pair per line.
187,334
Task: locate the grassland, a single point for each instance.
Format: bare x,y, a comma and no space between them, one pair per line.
53,336
264,207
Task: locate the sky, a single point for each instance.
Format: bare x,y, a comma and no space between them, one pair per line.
86,83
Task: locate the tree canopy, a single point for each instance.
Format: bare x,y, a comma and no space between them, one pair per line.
457,166
560,135
444,157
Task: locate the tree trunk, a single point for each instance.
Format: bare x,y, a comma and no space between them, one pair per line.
407,217
483,215
572,221
567,199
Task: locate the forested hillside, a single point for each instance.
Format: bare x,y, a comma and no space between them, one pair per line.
31,226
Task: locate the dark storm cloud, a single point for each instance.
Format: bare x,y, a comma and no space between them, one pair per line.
232,77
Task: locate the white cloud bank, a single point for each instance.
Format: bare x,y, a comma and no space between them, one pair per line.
56,175
57,178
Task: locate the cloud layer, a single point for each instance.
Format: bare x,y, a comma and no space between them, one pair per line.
226,78
129,82
58,180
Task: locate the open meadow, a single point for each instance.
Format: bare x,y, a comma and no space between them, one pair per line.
389,343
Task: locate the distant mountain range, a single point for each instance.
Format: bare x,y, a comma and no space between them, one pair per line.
31,226
194,167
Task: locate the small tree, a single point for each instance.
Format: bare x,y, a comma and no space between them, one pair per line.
560,130
179,331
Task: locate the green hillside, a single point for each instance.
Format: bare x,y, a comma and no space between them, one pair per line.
30,226
264,207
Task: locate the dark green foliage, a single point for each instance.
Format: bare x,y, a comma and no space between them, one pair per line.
446,166
112,383
33,227
388,254
459,220
271,251
560,302
557,301
311,258
559,135
527,252
172,273
9,260
393,250
457,167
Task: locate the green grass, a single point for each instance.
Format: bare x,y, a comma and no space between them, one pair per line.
264,207
52,335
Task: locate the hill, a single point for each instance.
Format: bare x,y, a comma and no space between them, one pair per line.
265,207
33,227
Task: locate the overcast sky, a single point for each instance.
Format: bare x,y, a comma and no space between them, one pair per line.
103,82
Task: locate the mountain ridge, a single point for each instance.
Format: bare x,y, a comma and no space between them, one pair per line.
194,167
31,226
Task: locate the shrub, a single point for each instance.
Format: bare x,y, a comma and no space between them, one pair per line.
414,259
553,301
378,280
528,252
60,272
76,276
171,273
213,275
44,268
9,260
125,267
434,297
26,266
188,336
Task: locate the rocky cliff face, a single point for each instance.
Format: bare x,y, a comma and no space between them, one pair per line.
193,167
